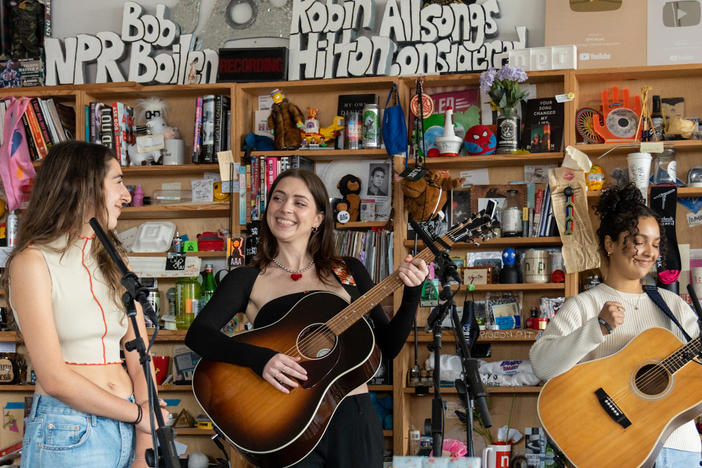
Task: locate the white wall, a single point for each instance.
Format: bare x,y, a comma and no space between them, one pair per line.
71,17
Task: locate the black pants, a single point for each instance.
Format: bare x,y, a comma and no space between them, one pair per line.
353,439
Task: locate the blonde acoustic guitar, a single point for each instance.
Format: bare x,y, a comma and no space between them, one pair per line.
619,410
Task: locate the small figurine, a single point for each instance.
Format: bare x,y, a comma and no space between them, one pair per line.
152,114
311,137
285,121
332,131
449,144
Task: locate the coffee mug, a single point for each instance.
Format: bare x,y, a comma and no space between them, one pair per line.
174,152
161,367
496,456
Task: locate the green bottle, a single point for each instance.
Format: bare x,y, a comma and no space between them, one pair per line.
188,302
208,285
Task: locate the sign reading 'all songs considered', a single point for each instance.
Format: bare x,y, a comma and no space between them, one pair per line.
411,40
144,35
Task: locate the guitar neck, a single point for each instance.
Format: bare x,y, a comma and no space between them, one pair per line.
683,355
465,231
361,306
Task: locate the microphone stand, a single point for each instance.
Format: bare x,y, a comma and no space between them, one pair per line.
446,270
470,387
163,436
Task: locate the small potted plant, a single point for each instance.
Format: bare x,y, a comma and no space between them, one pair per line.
505,95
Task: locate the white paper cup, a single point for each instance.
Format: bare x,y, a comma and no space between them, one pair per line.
639,171
174,152
696,281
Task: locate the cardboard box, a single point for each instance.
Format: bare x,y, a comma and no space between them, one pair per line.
674,32
607,33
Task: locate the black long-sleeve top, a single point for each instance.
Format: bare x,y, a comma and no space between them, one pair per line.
232,296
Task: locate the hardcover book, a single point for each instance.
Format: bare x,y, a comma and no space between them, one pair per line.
543,125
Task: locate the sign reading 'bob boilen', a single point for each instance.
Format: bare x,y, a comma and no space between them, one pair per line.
143,34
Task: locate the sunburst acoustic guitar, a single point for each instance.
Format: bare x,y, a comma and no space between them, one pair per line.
337,348
619,410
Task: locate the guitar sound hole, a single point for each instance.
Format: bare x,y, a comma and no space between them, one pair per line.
652,379
316,341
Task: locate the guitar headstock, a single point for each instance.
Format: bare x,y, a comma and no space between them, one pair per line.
476,228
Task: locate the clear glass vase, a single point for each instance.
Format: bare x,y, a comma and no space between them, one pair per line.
507,131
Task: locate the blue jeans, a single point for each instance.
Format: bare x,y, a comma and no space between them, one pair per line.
671,458
58,436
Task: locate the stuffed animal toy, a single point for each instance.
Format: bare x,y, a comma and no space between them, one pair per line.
152,115
350,188
285,121
427,196
480,140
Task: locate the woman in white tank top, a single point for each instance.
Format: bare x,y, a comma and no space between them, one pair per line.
65,294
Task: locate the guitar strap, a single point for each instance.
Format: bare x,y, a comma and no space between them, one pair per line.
656,297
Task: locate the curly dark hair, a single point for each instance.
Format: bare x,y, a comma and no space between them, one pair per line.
619,209
321,243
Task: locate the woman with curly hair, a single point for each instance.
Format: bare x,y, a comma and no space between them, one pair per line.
602,320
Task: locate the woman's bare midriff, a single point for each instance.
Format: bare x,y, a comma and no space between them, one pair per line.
110,377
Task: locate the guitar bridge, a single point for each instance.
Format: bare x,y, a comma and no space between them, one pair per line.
612,409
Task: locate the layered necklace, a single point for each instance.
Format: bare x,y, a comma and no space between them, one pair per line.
294,274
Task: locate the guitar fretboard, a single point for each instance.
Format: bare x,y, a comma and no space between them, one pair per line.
466,231
682,356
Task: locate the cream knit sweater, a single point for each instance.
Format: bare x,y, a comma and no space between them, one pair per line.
574,336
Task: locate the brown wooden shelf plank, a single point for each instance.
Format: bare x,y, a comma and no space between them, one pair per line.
168,170
362,225
169,211
193,431
328,154
380,388
175,336
493,160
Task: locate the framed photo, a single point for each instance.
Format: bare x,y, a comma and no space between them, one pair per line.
477,275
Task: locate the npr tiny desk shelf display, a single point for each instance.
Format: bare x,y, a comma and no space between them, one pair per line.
409,410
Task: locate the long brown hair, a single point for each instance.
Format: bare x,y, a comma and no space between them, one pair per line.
321,243
68,188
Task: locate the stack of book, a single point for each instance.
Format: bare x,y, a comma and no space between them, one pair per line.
259,173
45,122
111,125
211,131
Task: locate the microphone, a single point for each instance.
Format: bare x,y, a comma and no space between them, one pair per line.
470,320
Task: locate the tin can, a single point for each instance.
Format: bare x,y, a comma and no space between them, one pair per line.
353,130
371,126
12,225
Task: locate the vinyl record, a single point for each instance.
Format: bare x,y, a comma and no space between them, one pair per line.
622,122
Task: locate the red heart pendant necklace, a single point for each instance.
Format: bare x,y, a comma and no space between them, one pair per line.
294,274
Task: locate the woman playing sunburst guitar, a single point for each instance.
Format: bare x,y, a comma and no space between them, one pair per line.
295,259
602,320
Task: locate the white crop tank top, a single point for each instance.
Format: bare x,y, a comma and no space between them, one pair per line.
88,322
